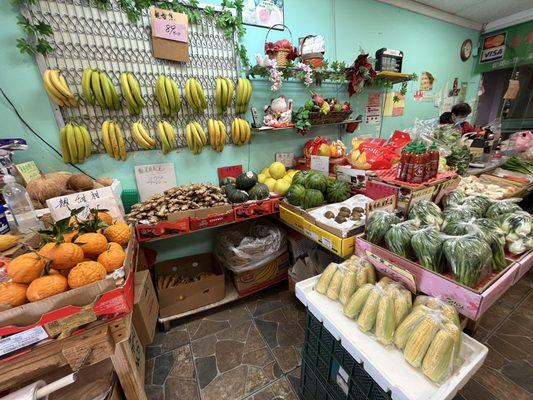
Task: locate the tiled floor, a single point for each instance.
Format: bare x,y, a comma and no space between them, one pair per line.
251,350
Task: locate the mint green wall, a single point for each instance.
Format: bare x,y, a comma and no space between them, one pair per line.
428,44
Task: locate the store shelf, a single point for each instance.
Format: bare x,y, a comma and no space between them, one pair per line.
290,128
395,77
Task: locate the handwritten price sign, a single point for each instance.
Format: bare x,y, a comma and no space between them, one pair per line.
154,179
171,30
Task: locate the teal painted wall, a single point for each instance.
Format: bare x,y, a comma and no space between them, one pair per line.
347,25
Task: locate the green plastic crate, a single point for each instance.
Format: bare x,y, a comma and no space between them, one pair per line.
334,368
129,198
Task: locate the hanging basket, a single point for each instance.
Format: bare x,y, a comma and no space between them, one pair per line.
280,55
316,60
333,117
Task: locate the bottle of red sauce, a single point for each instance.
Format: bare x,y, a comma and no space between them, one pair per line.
433,164
410,166
403,164
421,160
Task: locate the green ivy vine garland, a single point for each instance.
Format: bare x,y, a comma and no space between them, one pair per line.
38,32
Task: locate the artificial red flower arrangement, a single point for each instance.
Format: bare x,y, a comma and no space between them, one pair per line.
360,74
282,44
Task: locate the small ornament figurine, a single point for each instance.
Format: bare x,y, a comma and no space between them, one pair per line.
278,114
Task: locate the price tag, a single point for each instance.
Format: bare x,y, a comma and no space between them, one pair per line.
103,199
446,187
320,164
326,242
170,29
23,339
154,179
28,170
286,159
229,171
384,204
419,195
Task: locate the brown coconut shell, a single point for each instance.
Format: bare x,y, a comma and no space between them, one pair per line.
80,183
44,188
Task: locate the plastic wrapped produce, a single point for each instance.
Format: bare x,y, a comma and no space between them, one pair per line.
359,271
467,256
429,340
324,280
398,238
379,308
427,246
335,284
426,212
435,303
458,213
456,228
517,229
453,198
480,204
378,224
502,207
490,231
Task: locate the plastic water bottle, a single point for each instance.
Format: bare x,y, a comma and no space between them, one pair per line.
19,203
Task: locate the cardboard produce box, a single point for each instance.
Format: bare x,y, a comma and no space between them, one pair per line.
271,272
187,296
145,307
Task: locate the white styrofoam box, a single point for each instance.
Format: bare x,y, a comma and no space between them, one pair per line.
386,365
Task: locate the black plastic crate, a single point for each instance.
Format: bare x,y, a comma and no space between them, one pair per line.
334,368
312,387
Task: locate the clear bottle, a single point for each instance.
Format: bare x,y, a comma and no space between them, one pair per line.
19,203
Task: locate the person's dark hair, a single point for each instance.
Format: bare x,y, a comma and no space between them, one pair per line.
462,109
446,118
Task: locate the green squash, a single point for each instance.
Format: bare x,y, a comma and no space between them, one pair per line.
246,181
228,180
295,194
259,192
237,196
312,198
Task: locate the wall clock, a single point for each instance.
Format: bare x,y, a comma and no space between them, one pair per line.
466,49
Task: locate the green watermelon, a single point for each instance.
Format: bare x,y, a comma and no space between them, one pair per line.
295,194
312,198
299,178
316,181
237,196
338,191
259,192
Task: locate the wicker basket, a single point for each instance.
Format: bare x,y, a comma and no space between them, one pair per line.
281,55
333,117
316,60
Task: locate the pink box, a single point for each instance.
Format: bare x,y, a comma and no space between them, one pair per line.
526,261
471,303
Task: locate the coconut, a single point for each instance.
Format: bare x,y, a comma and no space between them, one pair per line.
44,188
61,177
80,182
105,181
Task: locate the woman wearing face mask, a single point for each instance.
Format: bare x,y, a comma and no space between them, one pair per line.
459,114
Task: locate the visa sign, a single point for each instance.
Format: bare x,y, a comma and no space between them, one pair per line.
493,47
494,54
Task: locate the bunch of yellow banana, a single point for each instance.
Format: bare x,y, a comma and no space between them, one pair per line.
244,93
114,140
97,86
195,95
57,88
196,138
167,136
240,132
168,95
132,92
217,134
75,143
223,94
141,136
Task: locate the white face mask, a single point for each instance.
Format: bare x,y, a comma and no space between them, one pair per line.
459,121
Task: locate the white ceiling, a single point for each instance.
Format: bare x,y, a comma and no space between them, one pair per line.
482,11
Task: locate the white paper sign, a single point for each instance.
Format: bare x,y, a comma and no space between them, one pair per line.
154,179
103,199
320,164
22,339
286,159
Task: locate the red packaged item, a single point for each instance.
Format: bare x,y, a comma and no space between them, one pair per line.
419,165
433,164
404,163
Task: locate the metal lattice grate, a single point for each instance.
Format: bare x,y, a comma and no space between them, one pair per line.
85,36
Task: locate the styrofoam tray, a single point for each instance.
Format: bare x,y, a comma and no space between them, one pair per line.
387,365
